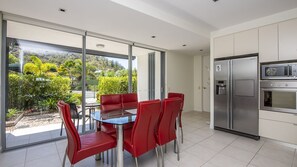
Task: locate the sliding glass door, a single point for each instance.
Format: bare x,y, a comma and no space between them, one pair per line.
106,72
147,66
44,66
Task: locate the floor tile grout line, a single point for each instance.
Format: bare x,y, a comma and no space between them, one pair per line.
295,154
220,151
26,157
58,153
201,140
195,143
256,153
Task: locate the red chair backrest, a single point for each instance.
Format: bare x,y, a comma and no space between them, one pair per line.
180,95
74,144
144,129
110,102
129,100
166,124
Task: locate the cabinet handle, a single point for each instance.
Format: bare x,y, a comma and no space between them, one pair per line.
295,124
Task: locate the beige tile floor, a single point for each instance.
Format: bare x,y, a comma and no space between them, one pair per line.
202,147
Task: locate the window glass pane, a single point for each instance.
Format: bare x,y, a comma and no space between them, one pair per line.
106,71
141,65
44,66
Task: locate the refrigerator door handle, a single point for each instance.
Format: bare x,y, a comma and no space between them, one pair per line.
231,95
228,95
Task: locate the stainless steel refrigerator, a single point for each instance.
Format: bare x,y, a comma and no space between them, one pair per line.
236,95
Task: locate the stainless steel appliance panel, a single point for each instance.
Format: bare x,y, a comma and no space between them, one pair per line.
221,93
280,96
282,71
244,113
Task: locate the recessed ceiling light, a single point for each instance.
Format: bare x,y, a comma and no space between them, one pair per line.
62,10
201,50
215,0
100,46
153,36
184,45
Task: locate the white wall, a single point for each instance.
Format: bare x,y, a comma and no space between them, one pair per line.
198,83
179,72
278,17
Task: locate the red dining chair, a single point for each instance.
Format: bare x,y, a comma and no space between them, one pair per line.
166,131
141,138
182,96
129,100
75,115
81,147
107,104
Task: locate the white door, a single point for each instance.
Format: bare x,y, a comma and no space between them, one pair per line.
206,92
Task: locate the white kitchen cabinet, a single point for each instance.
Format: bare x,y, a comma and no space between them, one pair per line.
268,43
224,46
282,131
288,40
246,42
278,116
278,126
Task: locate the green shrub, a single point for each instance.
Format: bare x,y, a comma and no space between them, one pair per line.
29,91
11,113
74,98
115,85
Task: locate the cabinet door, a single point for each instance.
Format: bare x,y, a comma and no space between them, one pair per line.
268,43
288,40
278,116
246,42
286,132
223,46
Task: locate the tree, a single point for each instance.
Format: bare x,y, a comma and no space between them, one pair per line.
36,67
12,59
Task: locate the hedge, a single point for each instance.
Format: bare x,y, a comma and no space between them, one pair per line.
29,91
115,85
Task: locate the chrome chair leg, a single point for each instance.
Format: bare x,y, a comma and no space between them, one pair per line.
64,159
174,146
157,154
178,150
136,162
77,127
111,158
165,148
162,155
107,158
103,157
61,131
182,135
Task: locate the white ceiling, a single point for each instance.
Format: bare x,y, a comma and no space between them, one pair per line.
174,22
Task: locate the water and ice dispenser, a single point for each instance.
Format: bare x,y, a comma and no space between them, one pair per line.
221,87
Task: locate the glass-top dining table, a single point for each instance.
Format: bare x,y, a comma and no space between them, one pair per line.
118,118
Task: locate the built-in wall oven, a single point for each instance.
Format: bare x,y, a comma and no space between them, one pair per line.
279,95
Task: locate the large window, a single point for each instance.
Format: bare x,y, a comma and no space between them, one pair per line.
147,64
45,66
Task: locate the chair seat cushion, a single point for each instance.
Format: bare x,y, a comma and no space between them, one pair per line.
94,143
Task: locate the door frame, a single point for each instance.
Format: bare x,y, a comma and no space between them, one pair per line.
202,81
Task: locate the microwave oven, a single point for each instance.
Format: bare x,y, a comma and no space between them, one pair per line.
284,71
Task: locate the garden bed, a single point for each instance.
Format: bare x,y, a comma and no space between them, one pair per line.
14,120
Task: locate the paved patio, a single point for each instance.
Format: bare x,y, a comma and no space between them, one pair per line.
36,128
